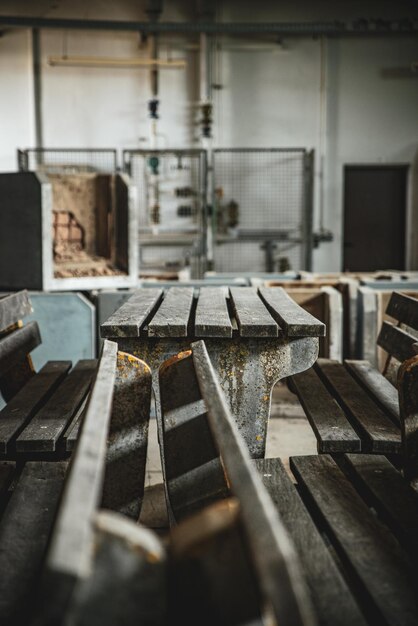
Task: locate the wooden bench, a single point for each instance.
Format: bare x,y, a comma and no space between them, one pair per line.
254,337
354,526
351,406
44,409
53,500
230,554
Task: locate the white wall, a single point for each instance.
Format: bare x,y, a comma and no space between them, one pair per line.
16,97
269,97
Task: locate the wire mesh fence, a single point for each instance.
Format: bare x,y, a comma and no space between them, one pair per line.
262,209
171,203
67,160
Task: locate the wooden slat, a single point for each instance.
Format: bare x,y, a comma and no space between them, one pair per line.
291,317
172,317
333,431
72,432
17,345
70,550
331,597
44,430
24,532
128,320
408,403
404,309
396,342
29,400
212,317
379,433
7,469
275,560
377,385
253,318
14,308
371,554
390,495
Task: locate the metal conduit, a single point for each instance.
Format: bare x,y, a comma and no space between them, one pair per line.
356,28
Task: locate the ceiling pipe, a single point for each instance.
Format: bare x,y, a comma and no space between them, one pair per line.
354,28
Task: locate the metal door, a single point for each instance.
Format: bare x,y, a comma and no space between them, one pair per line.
374,217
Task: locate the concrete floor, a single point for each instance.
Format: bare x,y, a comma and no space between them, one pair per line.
289,433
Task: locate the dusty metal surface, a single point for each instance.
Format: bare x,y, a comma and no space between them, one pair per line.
123,487
247,369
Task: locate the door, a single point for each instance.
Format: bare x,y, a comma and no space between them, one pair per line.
374,217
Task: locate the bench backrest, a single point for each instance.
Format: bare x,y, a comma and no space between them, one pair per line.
399,342
71,548
16,343
206,458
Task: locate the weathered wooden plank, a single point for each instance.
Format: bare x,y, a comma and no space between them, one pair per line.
377,385
212,316
14,308
24,533
44,430
29,400
7,469
396,342
124,481
333,431
379,433
172,317
72,432
253,318
390,495
275,559
331,597
15,346
71,547
408,410
369,551
291,317
128,581
128,320
404,309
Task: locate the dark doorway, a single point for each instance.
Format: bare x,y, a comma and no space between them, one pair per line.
374,217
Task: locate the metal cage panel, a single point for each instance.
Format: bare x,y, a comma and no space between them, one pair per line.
262,208
171,204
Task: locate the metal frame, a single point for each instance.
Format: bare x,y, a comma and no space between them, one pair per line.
23,157
404,27
174,237
271,235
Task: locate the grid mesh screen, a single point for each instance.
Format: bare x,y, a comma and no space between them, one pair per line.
68,160
170,188
259,195
171,202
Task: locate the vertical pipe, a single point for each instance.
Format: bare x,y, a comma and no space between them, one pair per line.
37,86
205,93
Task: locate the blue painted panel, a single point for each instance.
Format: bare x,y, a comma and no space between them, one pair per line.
67,325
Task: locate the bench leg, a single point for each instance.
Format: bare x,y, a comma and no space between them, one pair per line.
247,369
126,454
